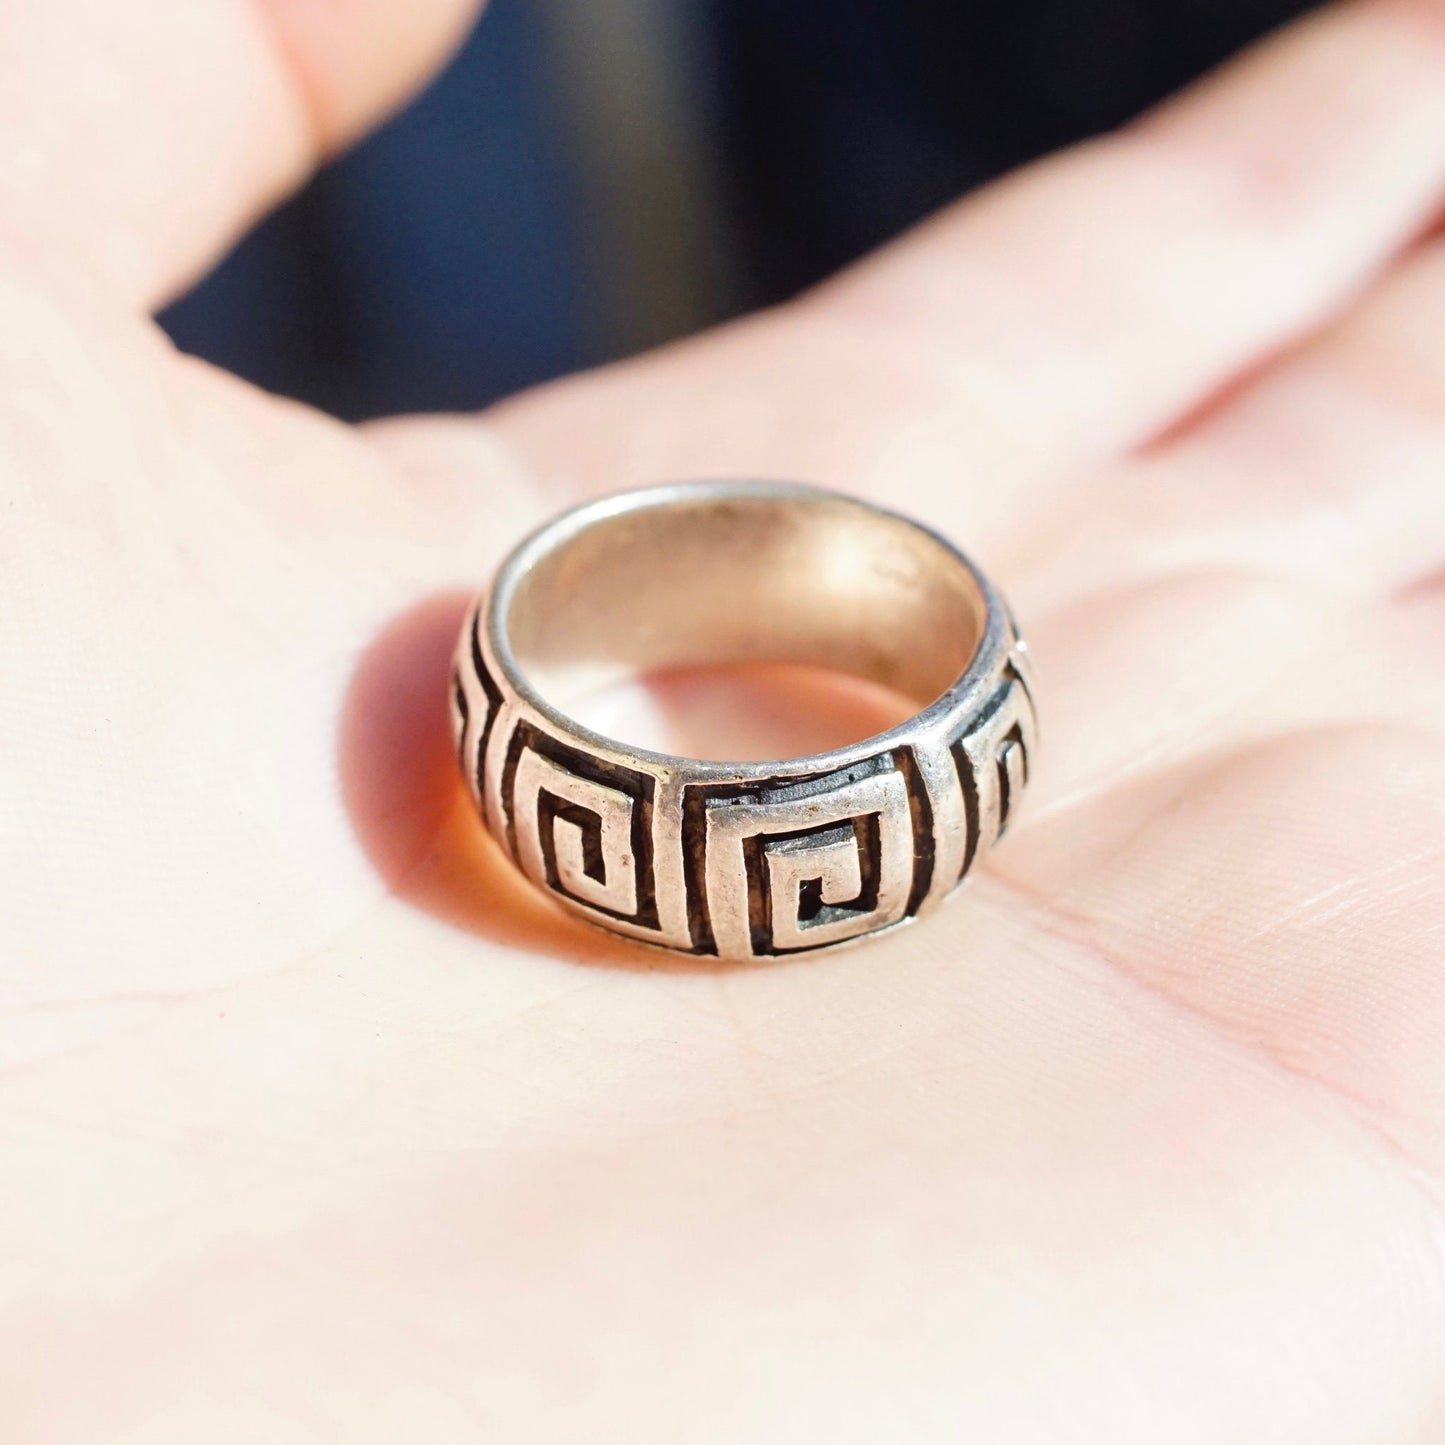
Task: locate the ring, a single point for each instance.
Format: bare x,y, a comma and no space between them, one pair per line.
743,860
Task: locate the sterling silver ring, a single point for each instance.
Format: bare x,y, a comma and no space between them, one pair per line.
743,860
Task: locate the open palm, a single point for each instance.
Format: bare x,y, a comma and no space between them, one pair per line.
319,1126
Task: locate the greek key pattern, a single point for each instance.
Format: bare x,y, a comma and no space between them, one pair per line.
745,867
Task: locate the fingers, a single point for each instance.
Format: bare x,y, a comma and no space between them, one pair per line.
1329,468
1131,277
1276,565
1146,675
1071,311
1362,411
136,140
353,61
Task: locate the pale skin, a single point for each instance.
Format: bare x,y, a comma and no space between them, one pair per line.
319,1126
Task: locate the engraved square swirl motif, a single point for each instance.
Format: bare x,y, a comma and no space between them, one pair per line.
798,865
581,826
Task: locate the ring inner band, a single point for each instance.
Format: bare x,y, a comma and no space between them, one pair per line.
793,577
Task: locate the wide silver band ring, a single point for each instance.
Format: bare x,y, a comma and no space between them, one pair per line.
743,860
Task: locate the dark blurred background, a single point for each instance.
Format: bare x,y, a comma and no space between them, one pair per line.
594,176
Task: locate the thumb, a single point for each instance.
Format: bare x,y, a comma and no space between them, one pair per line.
137,140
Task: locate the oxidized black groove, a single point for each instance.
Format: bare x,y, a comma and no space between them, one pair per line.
1013,738
866,834
963,763
464,712
493,694
694,869
588,824
638,786
696,799
921,810
968,785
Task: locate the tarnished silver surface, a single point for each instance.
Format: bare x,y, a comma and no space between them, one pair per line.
743,860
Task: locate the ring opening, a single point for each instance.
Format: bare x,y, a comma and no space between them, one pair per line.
723,580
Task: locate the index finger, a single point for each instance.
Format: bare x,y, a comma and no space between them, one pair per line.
1067,313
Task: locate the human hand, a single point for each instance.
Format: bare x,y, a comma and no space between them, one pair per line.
319,1125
